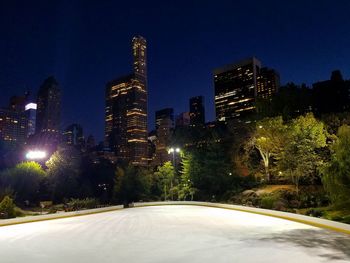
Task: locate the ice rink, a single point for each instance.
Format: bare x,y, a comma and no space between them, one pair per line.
171,234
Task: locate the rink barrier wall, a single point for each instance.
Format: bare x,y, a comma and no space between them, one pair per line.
308,220
313,221
38,218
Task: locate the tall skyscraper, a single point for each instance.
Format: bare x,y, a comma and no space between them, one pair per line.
197,111
126,110
164,127
268,83
48,115
30,110
235,89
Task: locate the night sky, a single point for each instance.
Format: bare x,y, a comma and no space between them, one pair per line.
84,44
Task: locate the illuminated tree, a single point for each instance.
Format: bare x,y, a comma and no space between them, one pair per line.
336,176
300,156
269,139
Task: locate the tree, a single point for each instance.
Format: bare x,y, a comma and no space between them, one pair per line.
166,175
130,185
336,176
63,170
186,188
300,156
25,180
268,139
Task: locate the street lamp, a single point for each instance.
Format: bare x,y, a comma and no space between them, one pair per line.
173,151
36,155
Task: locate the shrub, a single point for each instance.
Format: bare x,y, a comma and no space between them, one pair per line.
268,201
314,212
78,204
7,208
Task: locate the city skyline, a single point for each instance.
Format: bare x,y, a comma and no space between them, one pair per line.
181,74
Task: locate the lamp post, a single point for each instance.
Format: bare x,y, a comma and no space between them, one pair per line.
173,151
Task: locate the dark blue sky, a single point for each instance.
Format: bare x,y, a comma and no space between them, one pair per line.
84,44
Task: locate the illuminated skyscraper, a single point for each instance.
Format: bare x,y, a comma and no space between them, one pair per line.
48,116
164,127
267,84
197,112
235,89
126,110
30,110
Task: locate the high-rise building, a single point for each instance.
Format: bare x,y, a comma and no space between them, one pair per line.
48,114
183,119
13,126
235,89
164,128
30,110
197,111
73,135
14,122
126,110
167,113
268,83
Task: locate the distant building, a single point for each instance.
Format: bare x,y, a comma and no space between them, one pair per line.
14,122
238,85
235,89
30,110
13,127
183,119
48,117
331,95
167,113
90,142
268,83
197,111
74,136
164,128
126,110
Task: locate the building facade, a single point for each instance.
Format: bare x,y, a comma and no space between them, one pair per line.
74,136
13,127
30,110
48,115
268,83
235,89
197,111
164,128
183,119
126,110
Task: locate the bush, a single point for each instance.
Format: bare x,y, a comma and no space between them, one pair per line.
7,208
268,201
79,204
314,212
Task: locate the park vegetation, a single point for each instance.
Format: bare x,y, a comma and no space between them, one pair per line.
294,162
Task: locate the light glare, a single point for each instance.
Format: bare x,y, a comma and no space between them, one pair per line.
35,155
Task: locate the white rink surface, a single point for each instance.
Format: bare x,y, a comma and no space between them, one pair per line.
171,234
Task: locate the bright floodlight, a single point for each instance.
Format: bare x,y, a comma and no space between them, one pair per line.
32,155
171,150
177,150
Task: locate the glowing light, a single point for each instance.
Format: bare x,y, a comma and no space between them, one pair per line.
32,155
30,106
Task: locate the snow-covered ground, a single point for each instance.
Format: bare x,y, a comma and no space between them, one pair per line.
171,234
